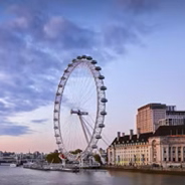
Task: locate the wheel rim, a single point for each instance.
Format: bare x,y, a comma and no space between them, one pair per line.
78,111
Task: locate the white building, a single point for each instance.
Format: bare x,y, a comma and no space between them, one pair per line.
164,147
129,149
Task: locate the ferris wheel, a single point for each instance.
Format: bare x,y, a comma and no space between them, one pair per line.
79,108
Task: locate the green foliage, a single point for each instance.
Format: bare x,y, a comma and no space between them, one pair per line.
106,159
98,158
77,151
53,158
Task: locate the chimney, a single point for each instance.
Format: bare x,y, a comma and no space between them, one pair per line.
118,136
123,134
131,133
138,133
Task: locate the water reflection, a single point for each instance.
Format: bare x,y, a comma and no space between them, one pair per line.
131,178
20,176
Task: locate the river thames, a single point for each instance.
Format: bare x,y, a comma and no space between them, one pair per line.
21,176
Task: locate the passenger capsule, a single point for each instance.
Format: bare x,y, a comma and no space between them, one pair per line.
70,65
58,142
101,77
104,100
55,119
98,137
79,57
56,102
63,78
101,125
56,135
55,110
97,68
74,60
60,85
84,56
55,127
94,146
103,88
58,94
94,62
103,113
89,58
66,71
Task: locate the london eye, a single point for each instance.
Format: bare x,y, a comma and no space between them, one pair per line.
80,108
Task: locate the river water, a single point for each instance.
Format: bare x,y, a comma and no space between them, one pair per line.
21,176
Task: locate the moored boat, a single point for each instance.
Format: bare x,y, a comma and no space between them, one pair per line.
13,165
74,170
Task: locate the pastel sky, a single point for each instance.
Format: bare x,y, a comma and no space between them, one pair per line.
140,45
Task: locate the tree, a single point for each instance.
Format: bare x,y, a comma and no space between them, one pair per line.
98,158
77,151
53,158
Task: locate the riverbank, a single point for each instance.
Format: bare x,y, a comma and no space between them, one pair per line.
149,170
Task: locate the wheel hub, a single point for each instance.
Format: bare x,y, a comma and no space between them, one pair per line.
79,112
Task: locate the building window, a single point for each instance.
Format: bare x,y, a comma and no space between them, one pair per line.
173,150
118,158
179,150
154,149
164,150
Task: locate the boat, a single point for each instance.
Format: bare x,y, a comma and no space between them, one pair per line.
51,167
62,168
28,165
35,166
13,165
42,168
74,170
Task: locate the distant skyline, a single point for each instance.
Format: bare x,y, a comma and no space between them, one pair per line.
140,45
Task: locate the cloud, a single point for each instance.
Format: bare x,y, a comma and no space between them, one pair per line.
137,6
37,43
116,37
31,51
128,21
39,120
67,35
14,130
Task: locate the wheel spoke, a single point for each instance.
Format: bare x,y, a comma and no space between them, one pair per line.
78,107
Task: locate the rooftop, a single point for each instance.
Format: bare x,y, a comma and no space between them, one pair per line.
161,131
153,106
170,130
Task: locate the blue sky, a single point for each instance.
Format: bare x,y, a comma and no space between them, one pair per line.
139,43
